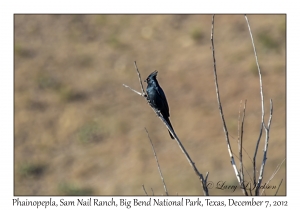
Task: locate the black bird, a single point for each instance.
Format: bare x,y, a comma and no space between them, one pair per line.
157,98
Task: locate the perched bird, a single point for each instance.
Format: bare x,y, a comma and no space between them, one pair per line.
157,98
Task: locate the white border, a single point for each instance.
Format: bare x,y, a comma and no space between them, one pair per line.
8,8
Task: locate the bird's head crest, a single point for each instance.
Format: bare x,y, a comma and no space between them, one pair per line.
152,75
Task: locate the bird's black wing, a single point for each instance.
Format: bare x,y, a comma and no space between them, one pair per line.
163,98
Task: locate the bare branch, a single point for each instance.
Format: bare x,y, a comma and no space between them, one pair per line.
152,191
259,74
267,130
139,75
207,173
160,173
133,90
144,190
239,140
243,165
262,103
278,186
240,143
255,154
273,175
270,118
220,106
242,148
142,88
203,181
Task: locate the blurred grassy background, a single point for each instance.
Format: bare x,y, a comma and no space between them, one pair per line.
78,131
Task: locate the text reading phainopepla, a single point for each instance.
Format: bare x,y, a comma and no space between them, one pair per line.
157,98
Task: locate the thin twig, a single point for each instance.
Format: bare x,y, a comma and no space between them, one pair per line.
207,173
243,166
220,106
152,191
242,148
145,190
242,135
259,73
255,154
137,92
267,130
273,175
240,143
262,103
160,173
203,183
142,88
139,75
278,186
247,156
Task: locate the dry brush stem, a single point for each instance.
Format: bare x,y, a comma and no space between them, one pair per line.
145,190
240,175
160,173
202,179
267,131
139,75
220,107
273,175
262,105
263,126
240,144
278,186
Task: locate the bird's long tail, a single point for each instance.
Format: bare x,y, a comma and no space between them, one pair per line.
168,121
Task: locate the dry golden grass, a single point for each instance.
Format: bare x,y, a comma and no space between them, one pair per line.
78,131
